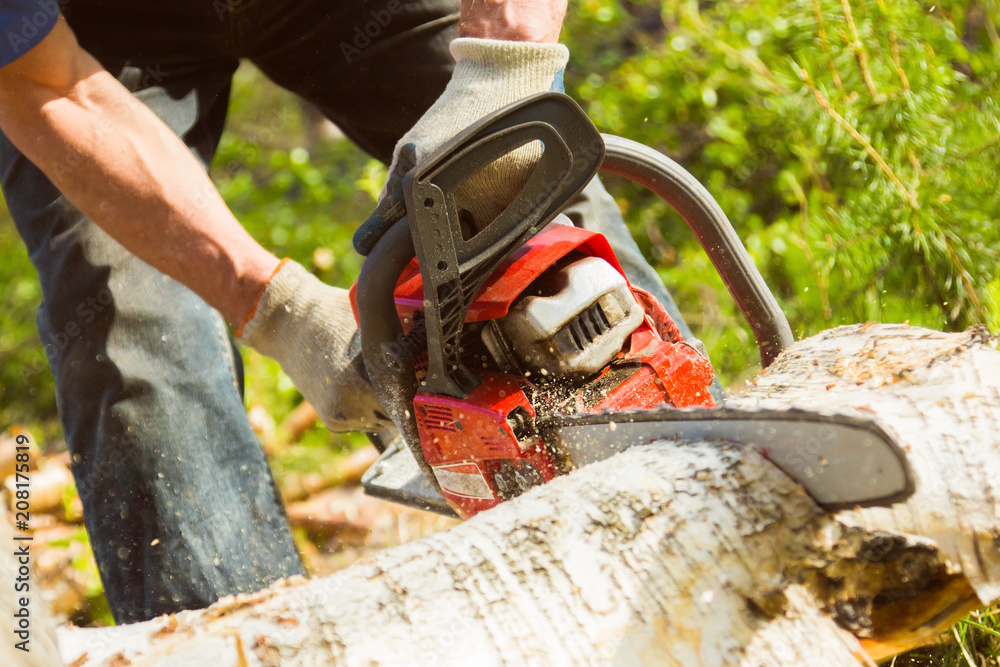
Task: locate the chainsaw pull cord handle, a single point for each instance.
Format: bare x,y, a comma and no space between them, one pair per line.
715,233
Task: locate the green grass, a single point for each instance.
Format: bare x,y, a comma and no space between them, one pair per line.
972,642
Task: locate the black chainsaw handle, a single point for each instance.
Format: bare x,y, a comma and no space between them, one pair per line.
388,359
710,225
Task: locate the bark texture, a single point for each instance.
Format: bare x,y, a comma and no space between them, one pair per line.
676,553
40,649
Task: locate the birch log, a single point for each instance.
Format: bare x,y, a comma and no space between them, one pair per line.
676,553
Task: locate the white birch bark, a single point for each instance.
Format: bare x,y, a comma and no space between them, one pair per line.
676,553
36,648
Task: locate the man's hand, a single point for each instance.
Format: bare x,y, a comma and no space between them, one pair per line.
513,20
307,327
507,52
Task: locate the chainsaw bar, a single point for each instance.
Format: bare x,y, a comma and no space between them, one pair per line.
841,461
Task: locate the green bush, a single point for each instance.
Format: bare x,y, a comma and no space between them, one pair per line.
854,145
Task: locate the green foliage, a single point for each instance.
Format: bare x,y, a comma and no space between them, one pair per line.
26,393
971,642
854,145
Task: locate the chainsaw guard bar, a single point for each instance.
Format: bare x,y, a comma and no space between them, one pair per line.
702,213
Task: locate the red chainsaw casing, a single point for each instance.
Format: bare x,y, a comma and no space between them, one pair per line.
483,447
467,442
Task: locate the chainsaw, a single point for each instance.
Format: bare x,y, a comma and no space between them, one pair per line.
510,354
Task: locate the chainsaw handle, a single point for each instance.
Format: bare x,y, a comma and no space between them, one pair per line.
388,360
710,225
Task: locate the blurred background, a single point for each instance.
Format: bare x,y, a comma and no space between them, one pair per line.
854,144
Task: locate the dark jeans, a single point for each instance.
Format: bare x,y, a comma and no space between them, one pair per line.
178,497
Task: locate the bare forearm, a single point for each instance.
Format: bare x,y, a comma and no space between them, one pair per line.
513,20
123,168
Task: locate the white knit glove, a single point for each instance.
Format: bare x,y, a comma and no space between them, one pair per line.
489,75
307,327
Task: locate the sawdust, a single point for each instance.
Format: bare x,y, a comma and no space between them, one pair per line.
169,626
891,362
79,661
266,651
231,603
119,660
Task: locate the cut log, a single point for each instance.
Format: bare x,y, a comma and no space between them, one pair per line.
674,553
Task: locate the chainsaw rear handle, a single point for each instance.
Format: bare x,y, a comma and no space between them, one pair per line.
715,233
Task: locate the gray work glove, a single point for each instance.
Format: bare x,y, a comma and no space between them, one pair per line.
489,75
307,327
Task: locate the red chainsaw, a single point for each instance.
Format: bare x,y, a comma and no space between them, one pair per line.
512,353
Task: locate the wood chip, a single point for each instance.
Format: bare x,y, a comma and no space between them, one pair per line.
170,625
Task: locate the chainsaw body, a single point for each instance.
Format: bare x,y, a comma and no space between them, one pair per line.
508,353
556,329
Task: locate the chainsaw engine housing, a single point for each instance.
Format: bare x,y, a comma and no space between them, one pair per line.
572,326
556,329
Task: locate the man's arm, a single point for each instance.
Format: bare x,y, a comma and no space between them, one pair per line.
513,20
130,174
